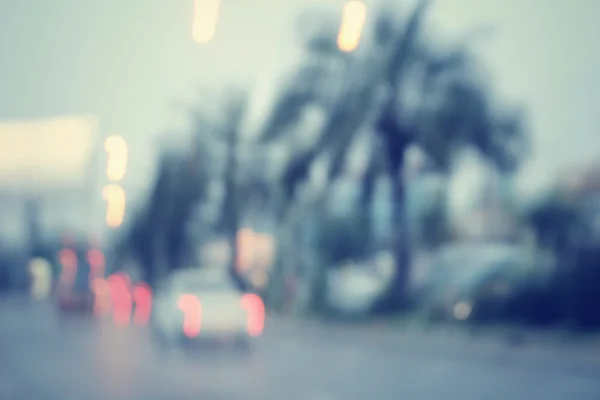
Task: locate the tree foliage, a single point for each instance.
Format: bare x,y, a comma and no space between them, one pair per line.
399,90
179,185
450,109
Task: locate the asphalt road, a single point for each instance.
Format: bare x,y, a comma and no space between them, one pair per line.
42,358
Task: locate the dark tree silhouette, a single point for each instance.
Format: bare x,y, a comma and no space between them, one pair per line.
453,110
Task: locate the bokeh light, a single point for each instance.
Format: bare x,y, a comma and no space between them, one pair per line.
115,211
354,16
116,150
206,16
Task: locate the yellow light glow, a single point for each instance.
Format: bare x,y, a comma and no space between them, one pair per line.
115,210
41,273
116,150
206,16
354,16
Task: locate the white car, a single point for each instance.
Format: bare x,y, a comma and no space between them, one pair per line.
198,304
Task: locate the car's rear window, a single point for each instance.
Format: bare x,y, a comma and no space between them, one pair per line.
208,285
203,281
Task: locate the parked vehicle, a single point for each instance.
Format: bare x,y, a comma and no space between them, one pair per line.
476,282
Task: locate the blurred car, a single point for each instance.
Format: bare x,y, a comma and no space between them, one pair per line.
203,305
475,282
75,296
79,268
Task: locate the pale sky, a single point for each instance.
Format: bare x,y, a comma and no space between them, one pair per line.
128,61
542,54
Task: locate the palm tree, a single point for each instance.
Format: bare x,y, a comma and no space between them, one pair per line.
461,116
451,112
230,212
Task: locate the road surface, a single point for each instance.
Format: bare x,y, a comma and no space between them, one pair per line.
43,358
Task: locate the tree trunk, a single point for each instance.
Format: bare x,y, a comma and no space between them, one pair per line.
231,207
367,194
317,271
401,245
395,297
159,270
277,278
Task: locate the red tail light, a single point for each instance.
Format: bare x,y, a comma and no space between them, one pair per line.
97,264
255,308
95,257
68,262
101,291
192,314
121,298
142,296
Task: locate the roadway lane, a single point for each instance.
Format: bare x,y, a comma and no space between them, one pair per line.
44,358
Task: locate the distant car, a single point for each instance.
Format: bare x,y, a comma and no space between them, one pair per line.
196,305
475,282
76,296
74,292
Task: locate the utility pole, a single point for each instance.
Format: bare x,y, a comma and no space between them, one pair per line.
32,220
230,212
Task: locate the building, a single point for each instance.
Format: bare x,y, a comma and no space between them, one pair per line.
50,182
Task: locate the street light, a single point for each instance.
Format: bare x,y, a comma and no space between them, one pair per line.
116,150
206,15
354,16
115,210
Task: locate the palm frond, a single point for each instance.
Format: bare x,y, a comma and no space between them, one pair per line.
287,112
405,45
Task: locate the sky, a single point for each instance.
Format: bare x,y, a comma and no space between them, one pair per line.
133,64
542,55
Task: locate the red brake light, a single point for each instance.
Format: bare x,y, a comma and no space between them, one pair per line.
121,298
142,295
68,262
95,258
97,264
101,290
192,318
255,307
67,257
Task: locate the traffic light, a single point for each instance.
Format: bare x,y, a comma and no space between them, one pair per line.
116,150
354,15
